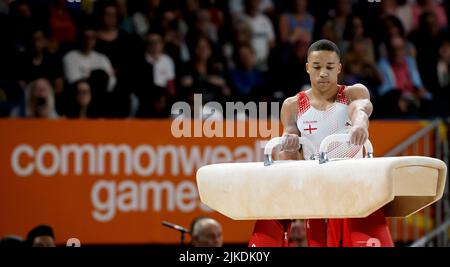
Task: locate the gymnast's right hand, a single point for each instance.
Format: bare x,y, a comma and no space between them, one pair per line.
290,143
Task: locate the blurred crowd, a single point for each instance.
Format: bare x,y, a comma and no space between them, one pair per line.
134,59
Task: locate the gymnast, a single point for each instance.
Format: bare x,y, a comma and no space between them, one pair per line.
326,108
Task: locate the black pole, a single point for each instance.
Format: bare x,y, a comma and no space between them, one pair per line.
181,229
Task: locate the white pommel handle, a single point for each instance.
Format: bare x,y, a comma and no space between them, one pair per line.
341,138
278,141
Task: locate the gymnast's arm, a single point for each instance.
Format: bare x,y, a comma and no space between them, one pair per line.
359,111
289,147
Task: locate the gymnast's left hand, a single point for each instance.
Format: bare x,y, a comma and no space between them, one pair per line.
358,135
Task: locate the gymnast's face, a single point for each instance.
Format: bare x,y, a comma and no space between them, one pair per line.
323,68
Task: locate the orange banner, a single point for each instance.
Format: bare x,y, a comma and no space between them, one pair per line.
115,181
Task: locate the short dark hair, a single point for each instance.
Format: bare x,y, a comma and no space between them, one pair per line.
324,45
40,230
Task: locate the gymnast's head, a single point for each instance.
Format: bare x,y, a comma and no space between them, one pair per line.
206,232
323,64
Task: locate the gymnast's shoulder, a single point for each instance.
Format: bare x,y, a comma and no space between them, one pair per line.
291,101
357,91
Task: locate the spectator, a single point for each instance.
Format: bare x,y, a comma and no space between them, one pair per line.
392,27
204,74
296,22
206,232
175,30
78,64
125,22
62,27
399,71
293,75
298,234
241,34
215,8
39,101
432,7
237,7
189,9
443,79
82,98
154,79
163,66
402,10
22,23
360,67
41,236
38,62
111,41
354,32
335,26
147,18
263,35
11,96
426,40
204,28
245,78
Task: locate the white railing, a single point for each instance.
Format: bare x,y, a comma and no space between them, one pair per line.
429,226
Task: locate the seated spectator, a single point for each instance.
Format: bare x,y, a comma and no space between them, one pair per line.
429,6
335,26
355,32
293,75
241,34
11,95
360,67
204,74
39,101
245,78
82,101
402,10
22,22
203,27
38,62
443,79
154,79
162,64
147,18
263,34
175,29
237,7
400,71
78,64
206,232
112,42
125,22
392,27
62,27
41,236
426,40
296,22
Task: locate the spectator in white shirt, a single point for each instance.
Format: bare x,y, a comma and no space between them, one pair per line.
263,35
78,64
163,66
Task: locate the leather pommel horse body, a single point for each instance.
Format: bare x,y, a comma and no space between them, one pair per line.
322,188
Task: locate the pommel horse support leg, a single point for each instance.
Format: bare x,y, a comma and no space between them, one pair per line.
344,202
